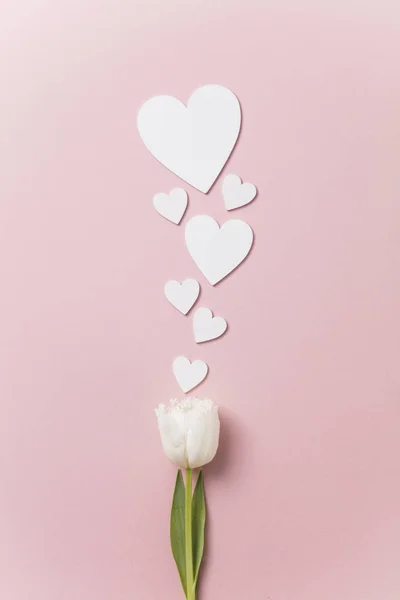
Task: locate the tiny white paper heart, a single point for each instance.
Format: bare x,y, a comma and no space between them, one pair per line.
236,193
206,327
182,295
187,374
171,206
194,142
217,251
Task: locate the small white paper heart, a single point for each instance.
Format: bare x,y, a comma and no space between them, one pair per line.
236,193
187,374
206,327
217,251
182,295
171,206
194,142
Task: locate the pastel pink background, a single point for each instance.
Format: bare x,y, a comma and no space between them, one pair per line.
304,495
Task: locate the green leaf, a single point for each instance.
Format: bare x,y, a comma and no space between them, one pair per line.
198,523
177,528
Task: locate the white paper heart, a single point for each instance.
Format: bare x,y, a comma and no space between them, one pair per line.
217,251
171,206
236,193
187,374
206,327
194,142
182,295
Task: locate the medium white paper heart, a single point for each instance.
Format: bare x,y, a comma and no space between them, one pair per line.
217,251
194,142
188,374
172,206
206,327
182,295
236,193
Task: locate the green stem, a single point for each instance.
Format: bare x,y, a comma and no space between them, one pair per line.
191,593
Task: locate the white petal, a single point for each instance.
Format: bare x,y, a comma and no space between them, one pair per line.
173,434
202,434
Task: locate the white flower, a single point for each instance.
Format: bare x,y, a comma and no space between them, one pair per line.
189,431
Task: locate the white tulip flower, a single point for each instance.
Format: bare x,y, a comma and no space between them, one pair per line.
189,431
189,435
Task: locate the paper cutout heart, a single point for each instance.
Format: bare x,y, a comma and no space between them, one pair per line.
194,142
182,295
171,206
217,251
206,327
236,193
187,374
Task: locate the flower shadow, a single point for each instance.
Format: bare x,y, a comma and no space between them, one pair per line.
229,447
223,468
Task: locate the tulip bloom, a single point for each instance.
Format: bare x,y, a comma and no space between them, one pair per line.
189,431
189,435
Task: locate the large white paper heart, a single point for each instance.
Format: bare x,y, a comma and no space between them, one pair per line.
182,295
194,142
172,206
188,374
217,251
206,327
236,193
